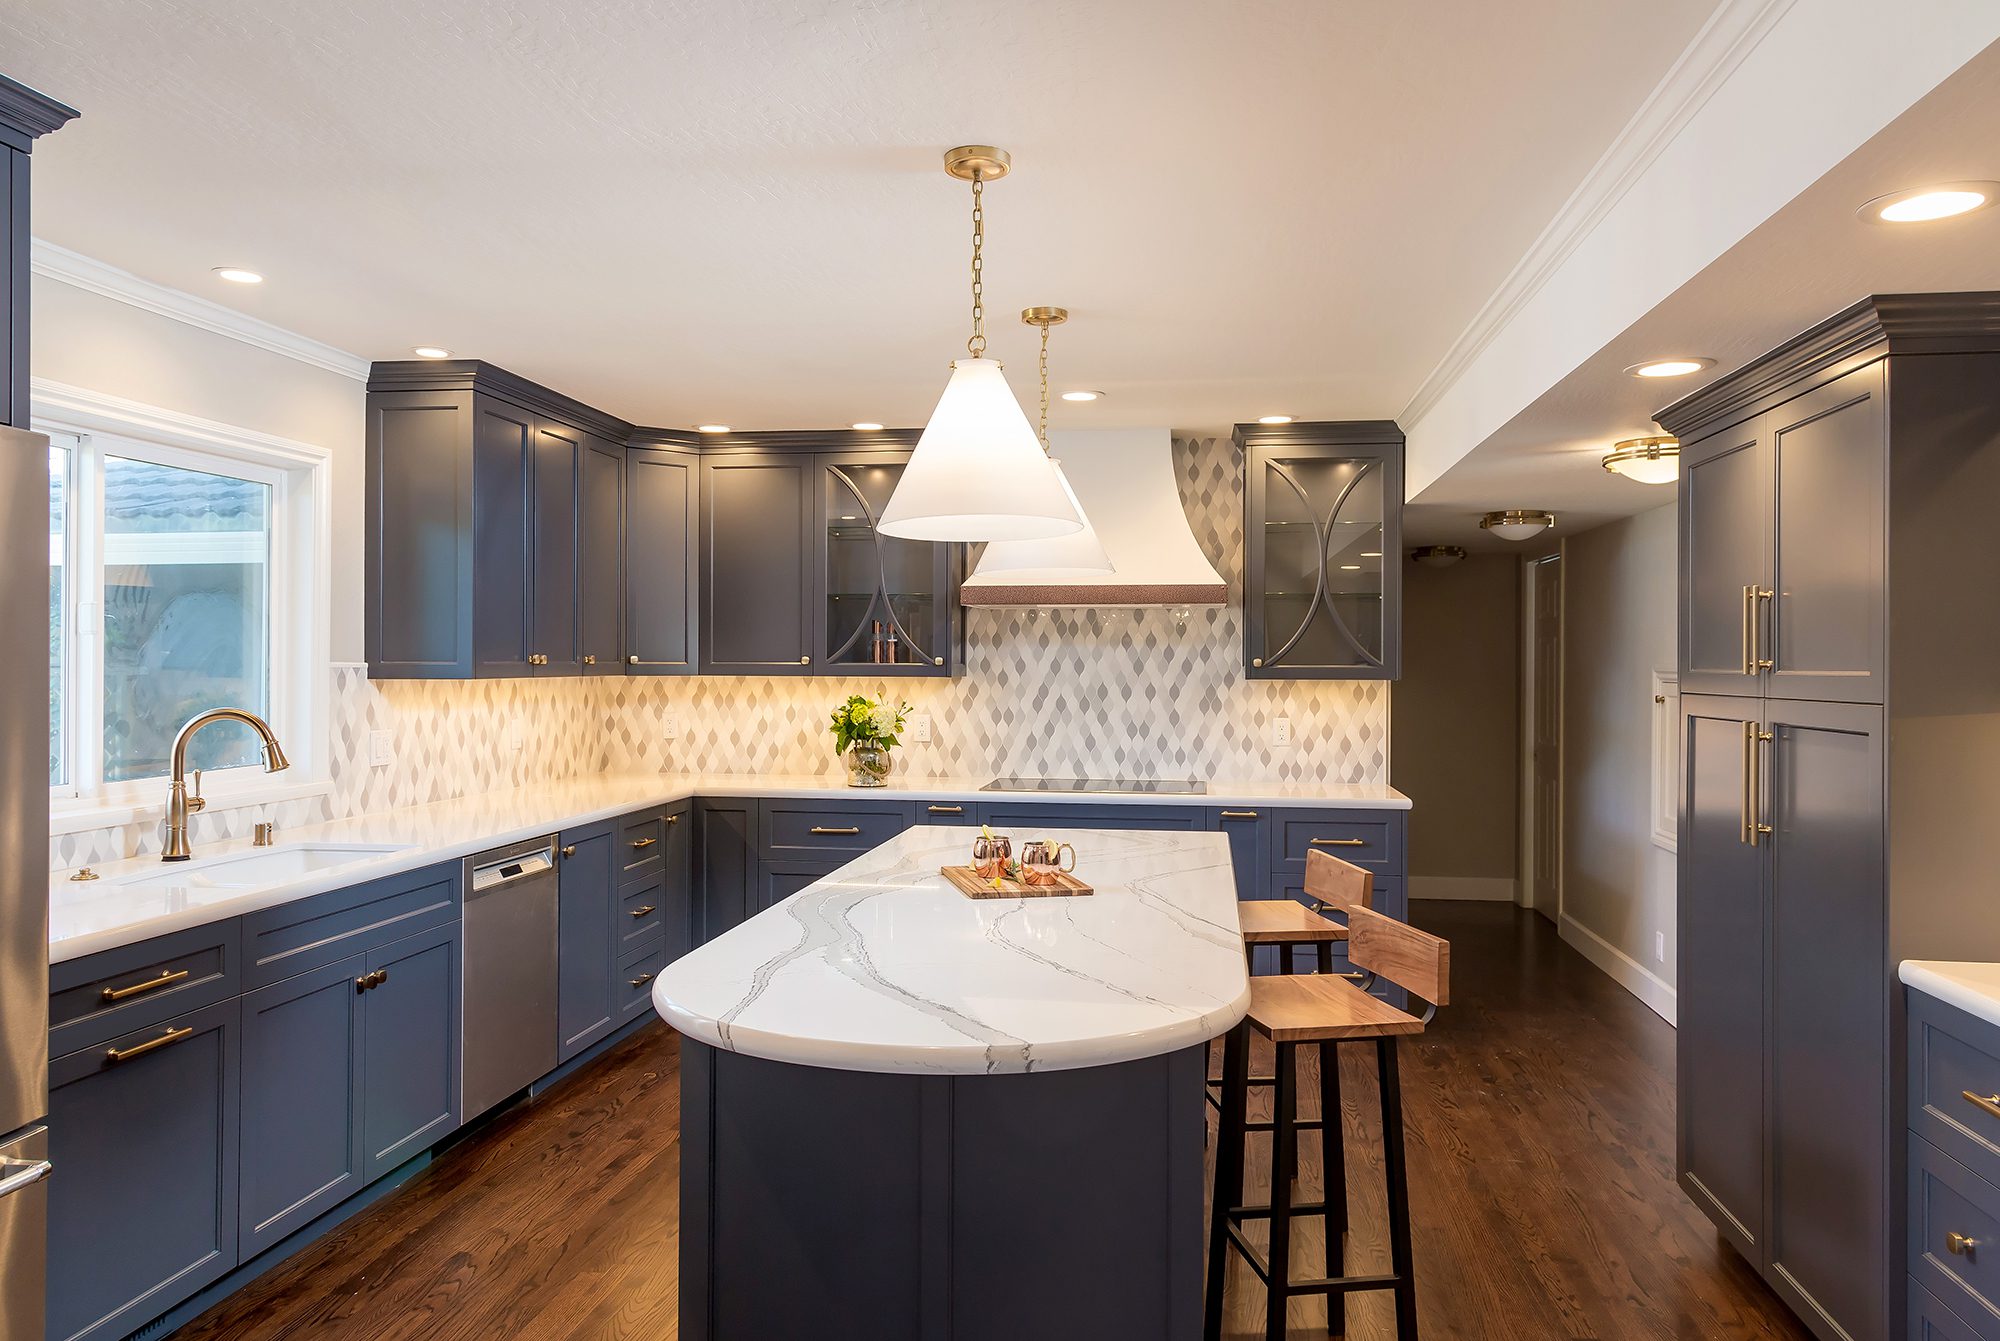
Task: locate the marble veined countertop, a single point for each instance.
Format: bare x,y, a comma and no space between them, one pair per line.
1973,988
144,897
884,966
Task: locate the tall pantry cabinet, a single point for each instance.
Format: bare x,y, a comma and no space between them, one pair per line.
1840,675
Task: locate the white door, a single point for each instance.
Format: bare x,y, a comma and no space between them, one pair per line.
1545,737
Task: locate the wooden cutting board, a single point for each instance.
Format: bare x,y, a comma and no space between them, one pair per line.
975,886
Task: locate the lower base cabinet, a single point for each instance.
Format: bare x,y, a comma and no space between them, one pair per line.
144,1210
586,936
409,1048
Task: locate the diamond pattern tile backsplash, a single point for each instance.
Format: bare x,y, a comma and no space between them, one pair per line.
1068,693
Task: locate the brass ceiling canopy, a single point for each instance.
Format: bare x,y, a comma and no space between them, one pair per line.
978,163
1045,317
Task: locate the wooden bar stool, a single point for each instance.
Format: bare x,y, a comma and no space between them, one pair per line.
1324,1010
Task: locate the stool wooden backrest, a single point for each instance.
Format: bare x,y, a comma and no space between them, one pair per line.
1340,886
1414,960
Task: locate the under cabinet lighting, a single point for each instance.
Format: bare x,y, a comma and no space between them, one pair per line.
1680,367
1927,204
431,352
236,274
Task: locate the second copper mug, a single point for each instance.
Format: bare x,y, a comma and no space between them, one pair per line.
1041,862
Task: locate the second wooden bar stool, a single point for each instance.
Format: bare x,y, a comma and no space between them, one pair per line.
1323,1010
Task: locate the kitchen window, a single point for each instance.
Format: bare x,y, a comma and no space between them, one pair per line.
180,579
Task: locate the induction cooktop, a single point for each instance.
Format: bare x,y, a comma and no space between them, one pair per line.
1142,786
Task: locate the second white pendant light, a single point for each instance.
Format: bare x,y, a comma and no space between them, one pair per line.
979,471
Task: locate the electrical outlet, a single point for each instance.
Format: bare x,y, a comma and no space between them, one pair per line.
1281,732
381,749
670,727
514,739
1660,946
920,728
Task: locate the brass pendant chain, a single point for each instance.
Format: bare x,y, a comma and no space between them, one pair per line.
976,346
1045,391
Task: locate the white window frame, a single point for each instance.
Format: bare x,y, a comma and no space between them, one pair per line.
298,579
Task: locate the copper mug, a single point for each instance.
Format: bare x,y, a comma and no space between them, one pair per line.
990,856
1041,862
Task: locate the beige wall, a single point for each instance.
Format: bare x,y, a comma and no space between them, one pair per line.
85,340
1618,628
1455,716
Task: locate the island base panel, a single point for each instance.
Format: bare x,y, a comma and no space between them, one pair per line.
835,1204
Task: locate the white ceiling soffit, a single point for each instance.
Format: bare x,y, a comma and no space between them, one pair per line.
1770,97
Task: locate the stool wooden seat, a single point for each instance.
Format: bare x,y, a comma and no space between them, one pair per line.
1323,1011
1284,922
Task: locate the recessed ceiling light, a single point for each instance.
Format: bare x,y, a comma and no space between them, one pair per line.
711,428
1081,395
431,352
1274,419
1926,204
1670,367
866,428
236,274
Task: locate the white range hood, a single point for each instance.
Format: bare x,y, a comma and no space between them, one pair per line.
1124,478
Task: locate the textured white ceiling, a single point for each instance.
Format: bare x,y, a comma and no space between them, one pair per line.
1806,262
704,211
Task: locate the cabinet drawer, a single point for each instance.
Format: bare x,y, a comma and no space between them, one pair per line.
642,915
642,846
1371,838
1930,1320
97,997
1953,1055
1947,1201
944,812
634,984
791,828
296,937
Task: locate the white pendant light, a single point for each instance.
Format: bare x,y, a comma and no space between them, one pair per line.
978,471
1517,523
1079,552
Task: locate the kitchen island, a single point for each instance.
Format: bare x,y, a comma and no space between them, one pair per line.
910,1113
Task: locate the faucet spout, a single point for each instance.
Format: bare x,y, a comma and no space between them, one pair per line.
179,803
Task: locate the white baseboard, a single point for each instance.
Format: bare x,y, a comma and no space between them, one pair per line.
1626,971
1478,888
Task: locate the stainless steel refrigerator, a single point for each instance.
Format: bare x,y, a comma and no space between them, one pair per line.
24,884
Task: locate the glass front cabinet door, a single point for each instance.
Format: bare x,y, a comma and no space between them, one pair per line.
886,606
1322,538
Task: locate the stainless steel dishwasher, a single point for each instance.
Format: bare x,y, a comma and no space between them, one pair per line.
507,1014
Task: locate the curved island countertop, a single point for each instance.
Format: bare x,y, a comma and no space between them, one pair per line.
884,966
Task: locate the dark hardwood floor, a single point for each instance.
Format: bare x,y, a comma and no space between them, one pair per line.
1541,1141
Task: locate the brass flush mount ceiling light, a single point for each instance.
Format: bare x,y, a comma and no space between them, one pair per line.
1517,523
978,471
1647,460
1438,556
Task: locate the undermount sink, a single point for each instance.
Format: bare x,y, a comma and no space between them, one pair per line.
263,866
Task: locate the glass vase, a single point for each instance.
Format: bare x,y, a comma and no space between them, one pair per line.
868,766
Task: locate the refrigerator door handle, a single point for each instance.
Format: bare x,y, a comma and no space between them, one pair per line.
20,1173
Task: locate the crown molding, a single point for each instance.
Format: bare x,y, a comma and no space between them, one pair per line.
1723,43
108,281
491,379
87,410
1320,433
26,115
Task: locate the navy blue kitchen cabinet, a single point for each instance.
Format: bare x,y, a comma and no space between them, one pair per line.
409,1072
662,544
1026,819
1245,828
302,1148
1322,507
600,581
756,568
680,905
884,606
481,487
144,1213
586,938
725,856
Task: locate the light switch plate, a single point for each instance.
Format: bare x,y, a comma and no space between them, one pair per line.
1660,946
514,738
1281,732
381,749
920,728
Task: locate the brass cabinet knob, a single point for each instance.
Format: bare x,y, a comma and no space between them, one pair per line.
589,660
937,661
805,661
1258,662
569,849
633,659
1959,1245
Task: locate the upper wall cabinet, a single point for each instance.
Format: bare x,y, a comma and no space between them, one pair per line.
662,523
25,116
494,517
756,566
887,605
1322,536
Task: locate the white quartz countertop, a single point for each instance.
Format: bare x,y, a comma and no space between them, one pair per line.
1972,987
884,966
143,897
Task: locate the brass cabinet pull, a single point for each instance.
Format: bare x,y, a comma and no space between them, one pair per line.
946,810
1337,842
644,842
1758,661
642,980
166,1040
569,849
1959,1245
141,988
1758,738
1247,814
641,912
1351,977
1986,1103
841,829
1749,657
1746,769
368,982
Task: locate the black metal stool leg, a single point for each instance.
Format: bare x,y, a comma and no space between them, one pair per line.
1227,1191
1333,1160
1399,1191
1284,1159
